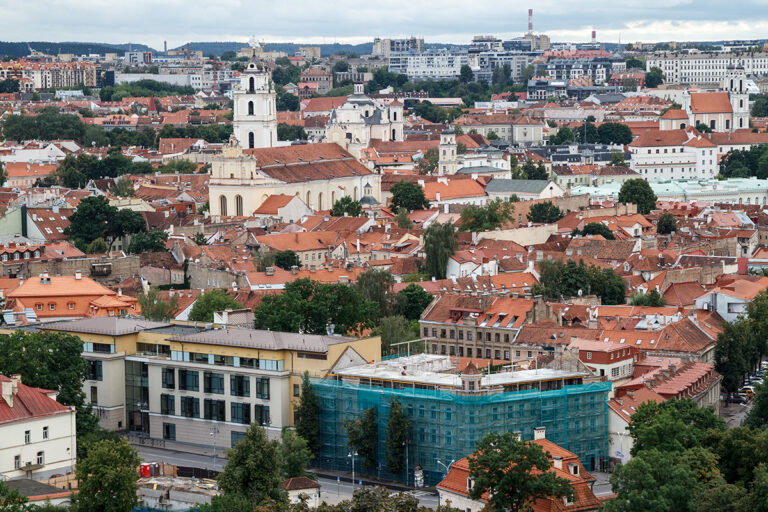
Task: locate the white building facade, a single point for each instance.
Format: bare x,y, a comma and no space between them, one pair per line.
254,118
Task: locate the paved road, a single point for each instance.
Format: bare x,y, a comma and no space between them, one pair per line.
734,414
331,492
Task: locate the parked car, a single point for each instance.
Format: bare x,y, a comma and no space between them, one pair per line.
738,399
748,390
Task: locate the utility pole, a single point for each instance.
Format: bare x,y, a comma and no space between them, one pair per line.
352,455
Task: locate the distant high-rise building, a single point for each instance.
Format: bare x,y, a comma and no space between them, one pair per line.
383,47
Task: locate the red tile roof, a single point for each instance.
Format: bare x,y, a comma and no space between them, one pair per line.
296,164
710,103
29,403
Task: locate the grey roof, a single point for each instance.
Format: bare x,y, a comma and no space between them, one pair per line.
266,340
31,488
111,326
479,169
527,186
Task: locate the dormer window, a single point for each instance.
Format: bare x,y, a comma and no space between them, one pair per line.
470,484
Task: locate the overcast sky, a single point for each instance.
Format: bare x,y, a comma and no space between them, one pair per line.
348,21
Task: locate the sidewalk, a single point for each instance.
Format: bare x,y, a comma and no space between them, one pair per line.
345,476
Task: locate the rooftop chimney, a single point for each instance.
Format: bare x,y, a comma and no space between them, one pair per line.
10,388
539,433
78,275
557,462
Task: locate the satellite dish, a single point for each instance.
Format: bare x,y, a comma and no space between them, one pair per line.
580,292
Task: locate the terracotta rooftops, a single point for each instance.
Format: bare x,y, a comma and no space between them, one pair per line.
296,164
24,402
710,102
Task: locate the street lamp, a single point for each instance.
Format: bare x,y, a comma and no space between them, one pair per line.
405,443
352,456
214,431
448,467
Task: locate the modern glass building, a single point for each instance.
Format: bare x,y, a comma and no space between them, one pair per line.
450,412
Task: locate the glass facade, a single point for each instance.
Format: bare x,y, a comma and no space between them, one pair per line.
137,396
446,425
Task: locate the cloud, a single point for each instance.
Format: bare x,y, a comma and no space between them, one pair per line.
450,21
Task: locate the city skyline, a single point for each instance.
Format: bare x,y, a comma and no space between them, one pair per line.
348,22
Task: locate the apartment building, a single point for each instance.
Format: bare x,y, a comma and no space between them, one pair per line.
38,432
673,154
599,70
198,385
480,327
384,47
46,75
706,68
435,64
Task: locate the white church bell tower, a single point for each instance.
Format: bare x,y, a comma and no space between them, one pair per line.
254,118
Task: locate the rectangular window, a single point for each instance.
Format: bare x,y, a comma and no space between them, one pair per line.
169,378
45,432
94,370
236,437
213,383
214,410
262,388
40,458
167,404
469,335
16,461
189,380
190,407
169,431
94,395
27,436
296,390
239,385
241,413
261,415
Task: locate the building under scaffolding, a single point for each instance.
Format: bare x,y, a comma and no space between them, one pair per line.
450,411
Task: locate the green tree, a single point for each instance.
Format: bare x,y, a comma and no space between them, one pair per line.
617,159
200,239
409,196
209,302
398,434
312,307
654,78
363,435
123,188
402,220
341,66
651,299
12,500
491,135
428,163
635,63
732,347
439,245
564,136
411,301
494,214
527,74
666,224
287,102
346,206
739,451
50,361
544,213
703,128
672,426
95,218
514,473
614,133
151,241
9,85
108,477
587,133
287,131
295,454
307,415
254,469
98,246
395,329
608,285
287,259
654,480
376,285
465,74
156,308
757,416
639,192
595,228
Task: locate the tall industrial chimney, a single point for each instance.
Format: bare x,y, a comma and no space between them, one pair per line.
165,46
530,21
594,36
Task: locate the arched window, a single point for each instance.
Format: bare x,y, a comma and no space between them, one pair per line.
320,201
309,198
238,205
394,134
251,85
223,205
250,140
250,108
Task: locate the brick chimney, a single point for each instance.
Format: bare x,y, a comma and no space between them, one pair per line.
557,462
539,433
10,388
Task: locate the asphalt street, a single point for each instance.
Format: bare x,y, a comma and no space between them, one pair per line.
332,491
